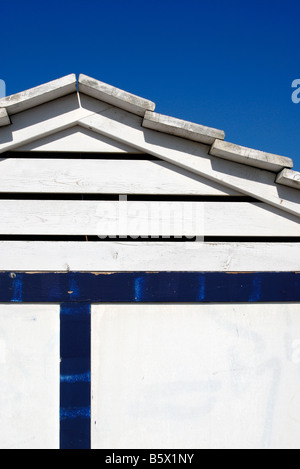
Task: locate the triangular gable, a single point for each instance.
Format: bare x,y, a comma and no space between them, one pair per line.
77,139
131,121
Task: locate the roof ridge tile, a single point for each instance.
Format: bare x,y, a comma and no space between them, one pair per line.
114,96
182,128
250,157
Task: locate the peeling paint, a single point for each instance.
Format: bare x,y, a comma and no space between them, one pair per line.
102,273
139,288
75,413
17,290
71,379
237,273
202,284
257,290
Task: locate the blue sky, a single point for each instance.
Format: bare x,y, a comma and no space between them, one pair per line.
225,64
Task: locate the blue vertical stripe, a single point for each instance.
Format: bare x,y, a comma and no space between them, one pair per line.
75,376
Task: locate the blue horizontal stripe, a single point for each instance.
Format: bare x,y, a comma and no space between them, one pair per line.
166,287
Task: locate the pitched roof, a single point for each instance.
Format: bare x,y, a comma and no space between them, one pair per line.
144,108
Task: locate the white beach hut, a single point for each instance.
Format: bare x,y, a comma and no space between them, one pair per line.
149,284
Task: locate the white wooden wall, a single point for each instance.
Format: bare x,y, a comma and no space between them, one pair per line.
163,376
29,376
196,376
82,124
66,176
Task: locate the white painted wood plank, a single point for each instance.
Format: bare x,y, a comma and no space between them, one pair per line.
29,376
40,94
103,177
196,376
113,218
77,140
149,256
194,157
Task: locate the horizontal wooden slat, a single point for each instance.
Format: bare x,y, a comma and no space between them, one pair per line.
29,175
160,256
37,217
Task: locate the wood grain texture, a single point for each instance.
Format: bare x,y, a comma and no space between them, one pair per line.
25,175
110,218
160,256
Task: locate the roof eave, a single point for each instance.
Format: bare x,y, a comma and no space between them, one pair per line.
39,95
